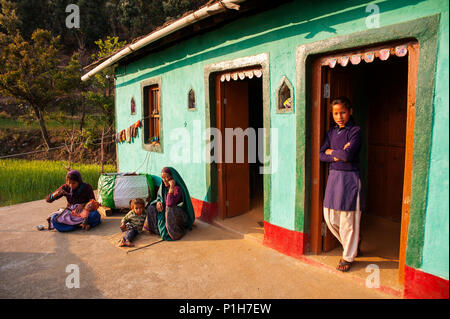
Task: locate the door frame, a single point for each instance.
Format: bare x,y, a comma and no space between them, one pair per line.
212,105
425,32
222,167
318,117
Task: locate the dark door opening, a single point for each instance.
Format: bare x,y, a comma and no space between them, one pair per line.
240,185
383,93
378,91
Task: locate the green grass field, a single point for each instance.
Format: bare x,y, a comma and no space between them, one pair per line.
11,123
24,181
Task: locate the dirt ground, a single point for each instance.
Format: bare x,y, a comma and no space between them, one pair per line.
209,262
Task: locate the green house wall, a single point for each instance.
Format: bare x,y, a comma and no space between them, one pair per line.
435,251
279,33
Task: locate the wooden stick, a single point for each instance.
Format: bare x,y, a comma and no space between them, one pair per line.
144,246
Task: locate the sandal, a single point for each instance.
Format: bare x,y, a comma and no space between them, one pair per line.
344,265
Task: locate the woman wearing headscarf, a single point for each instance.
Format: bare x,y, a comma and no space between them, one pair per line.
81,210
172,213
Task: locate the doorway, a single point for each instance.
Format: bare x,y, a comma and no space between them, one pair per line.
381,93
239,107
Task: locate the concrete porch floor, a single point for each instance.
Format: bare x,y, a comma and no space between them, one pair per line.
249,225
208,262
380,246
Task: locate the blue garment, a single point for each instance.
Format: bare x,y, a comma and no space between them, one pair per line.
130,234
342,189
336,139
343,180
93,220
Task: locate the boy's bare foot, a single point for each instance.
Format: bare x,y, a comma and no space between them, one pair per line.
125,243
129,244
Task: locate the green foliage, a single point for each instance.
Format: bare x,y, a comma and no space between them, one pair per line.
173,9
29,72
23,181
123,18
108,46
28,69
100,96
32,71
9,21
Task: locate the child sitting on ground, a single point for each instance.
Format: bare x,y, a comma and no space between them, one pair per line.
133,221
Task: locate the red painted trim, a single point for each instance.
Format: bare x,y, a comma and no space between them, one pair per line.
294,244
204,211
421,285
289,242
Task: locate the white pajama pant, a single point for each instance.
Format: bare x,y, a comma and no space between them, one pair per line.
344,225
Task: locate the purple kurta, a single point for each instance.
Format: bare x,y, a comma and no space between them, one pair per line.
175,198
343,180
342,190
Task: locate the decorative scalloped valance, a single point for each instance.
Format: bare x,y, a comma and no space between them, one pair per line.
368,56
241,74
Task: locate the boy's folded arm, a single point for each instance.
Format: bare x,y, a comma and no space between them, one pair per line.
349,153
325,158
322,156
343,155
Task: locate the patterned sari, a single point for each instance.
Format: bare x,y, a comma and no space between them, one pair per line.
173,222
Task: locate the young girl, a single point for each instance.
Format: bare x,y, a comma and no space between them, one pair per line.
342,194
133,221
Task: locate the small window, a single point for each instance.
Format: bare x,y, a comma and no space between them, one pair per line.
152,134
133,106
285,98
152,122
191,100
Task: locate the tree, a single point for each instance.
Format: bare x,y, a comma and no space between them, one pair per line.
101,93
173,9
30,71
9,21
35,14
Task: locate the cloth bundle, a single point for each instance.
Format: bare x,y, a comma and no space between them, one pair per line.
128,134
115,190
121,136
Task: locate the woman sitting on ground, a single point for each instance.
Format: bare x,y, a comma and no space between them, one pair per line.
171,214
81,210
